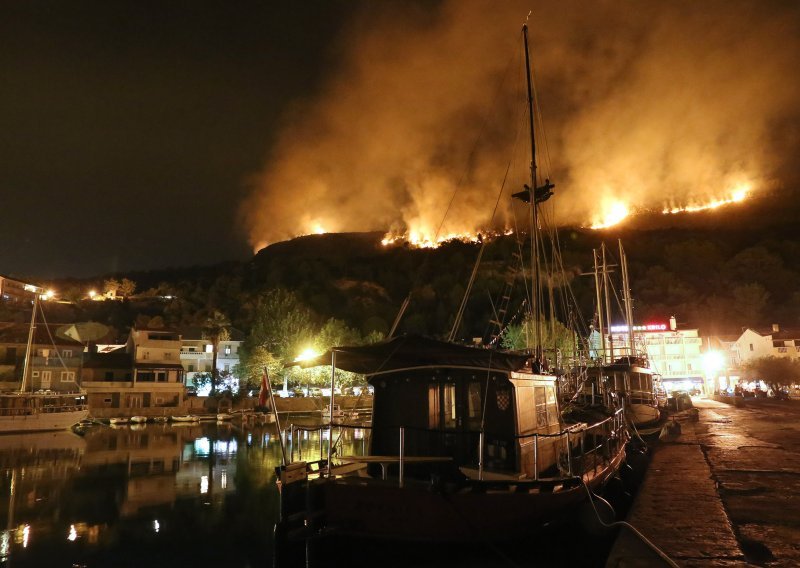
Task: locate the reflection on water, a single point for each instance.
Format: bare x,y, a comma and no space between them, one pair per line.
154,495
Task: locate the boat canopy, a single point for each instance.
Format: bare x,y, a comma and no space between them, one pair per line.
415,351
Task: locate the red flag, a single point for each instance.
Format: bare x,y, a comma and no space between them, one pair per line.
262,394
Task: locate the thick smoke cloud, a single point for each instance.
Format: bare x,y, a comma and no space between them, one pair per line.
653,104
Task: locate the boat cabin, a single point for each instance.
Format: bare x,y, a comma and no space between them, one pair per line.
443,396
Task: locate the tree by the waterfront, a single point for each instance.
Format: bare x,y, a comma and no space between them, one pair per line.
776,372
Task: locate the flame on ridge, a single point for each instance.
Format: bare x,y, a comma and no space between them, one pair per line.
739,194
613,213
418,239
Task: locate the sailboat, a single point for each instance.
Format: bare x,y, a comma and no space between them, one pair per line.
622,375
467,444
42,410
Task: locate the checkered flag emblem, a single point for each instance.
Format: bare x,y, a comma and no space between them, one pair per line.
503,399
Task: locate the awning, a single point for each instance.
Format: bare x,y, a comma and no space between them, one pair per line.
412,351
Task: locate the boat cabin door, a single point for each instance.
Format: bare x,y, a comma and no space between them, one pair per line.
454,417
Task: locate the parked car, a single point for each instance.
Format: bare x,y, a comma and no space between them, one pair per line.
314,391
298,392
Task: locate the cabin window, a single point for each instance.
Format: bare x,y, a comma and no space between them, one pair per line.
433,406
474,405
449,404
66,353
67,376
34,373
541,406
552,406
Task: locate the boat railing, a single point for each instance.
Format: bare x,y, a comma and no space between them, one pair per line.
582,450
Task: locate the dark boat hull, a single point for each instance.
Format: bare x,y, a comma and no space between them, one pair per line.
489,511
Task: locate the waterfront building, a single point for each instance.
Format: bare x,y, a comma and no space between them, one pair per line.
771,342
55,364
146,378
15,291
674,353
197,356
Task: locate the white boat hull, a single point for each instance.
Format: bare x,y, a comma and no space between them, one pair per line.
41,421
642,414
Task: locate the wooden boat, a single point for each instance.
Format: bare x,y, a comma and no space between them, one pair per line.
26,410
138,419
187,418
466,444
119,421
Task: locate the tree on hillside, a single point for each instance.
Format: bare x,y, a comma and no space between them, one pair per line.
216,328
111,285
282,324
126,288
775,371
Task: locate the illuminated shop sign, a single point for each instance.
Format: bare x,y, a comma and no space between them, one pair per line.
647,327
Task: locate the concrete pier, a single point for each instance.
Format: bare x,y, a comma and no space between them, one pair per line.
723,493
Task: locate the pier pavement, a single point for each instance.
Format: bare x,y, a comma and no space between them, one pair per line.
725,492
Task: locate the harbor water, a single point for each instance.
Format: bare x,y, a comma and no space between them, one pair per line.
202,494
153,495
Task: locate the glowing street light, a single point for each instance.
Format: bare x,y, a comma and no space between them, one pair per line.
713,362
307,354
92,294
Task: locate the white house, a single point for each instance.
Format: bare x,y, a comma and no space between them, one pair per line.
774,342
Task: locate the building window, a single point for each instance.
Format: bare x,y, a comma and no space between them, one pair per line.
68,376
209,348
146,355
66,352
34,373
191,368
227,350
751,347
227,369
167,355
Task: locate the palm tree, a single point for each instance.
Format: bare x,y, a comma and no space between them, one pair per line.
216,328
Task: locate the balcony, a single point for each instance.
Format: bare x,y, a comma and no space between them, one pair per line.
56,362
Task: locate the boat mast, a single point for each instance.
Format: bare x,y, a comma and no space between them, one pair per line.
626,295
533,211
26,366
598,292
606,286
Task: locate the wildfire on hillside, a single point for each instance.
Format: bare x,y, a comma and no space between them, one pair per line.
737,196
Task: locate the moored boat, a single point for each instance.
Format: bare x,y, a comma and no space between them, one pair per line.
138,419
40,410
185,418
466,444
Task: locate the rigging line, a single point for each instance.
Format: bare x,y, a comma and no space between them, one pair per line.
460,314
470,159
52,341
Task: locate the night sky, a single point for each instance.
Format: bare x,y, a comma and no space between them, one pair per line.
128,130
143,135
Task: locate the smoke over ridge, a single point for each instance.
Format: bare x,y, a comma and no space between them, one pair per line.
652,104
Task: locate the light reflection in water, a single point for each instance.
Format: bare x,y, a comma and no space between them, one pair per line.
119,492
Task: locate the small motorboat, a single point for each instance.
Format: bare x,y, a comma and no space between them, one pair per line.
119,421
185,418
138,419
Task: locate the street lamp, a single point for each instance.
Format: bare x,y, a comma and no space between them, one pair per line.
713,362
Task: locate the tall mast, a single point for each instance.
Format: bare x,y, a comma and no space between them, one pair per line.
626,295
533,211
28,356
598,292
606,286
